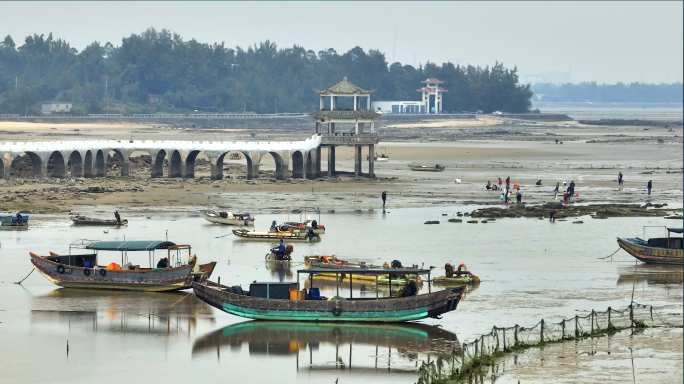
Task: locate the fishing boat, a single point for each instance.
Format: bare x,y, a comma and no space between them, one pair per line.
83,220
86,270
227,218
293,226
436,168
662,250
12,221
285,302
382,158
333,264
460,276
275,236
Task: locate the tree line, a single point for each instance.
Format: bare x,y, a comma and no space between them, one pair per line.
614,93
191,75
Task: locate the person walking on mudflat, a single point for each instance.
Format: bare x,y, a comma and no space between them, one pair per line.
384,198
620,178
508,182
555,191
649,186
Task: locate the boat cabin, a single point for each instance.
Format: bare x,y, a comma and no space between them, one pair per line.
77,258
668,242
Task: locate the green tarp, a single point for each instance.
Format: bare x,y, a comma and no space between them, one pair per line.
138,245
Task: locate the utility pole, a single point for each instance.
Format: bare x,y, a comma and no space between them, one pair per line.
16,82
107,98
275,102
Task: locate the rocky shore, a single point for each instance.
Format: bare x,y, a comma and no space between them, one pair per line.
598,211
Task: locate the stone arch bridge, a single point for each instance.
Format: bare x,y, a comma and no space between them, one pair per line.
89,158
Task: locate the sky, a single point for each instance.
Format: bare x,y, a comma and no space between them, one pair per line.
593,41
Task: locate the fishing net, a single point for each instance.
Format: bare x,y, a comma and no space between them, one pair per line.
502,340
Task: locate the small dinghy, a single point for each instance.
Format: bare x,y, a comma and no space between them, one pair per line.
83,220
228,218
456,278
436,168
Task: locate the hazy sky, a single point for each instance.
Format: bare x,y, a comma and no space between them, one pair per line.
602,41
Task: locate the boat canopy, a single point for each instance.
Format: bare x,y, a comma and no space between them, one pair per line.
361,271
675,230
137,245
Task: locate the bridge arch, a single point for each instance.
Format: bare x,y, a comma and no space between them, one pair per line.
113,156
281,165
100,164
36,165
58,162
310,165
175,164
297,165
158,163
76,163
88,164
2,168
217,170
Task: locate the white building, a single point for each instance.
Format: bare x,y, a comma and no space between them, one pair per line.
48,108
399,107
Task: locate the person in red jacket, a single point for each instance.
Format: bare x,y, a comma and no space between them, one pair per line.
500,182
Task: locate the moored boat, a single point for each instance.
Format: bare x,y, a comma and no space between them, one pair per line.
228,218
284,301
436,168
293,226
275,236
83,270
455,278
83,220
665,250
13,221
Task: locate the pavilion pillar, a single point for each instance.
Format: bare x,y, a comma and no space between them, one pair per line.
371,161
331,160
357,160
318,127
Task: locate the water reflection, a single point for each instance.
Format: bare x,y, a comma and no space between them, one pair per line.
653,274
281,271
399,348
120,312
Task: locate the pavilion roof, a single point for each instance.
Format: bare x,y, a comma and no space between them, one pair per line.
432,80
339,114
345,87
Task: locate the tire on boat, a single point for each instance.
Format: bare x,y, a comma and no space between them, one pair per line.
60,269
103,272
86,272
336,312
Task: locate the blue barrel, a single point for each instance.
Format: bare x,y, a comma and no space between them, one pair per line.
314,294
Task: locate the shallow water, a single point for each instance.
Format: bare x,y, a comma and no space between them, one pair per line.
530,269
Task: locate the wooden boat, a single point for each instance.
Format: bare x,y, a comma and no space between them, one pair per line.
79,270
297,227
267,236
227,218
268,301
82,220
11,221
666,250
382,158
436,168
333,264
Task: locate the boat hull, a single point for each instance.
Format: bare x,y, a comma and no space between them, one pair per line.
651,255
381,280
453,281
95,222
169,279
387,310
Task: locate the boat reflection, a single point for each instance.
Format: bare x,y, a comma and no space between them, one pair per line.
331,346
280,270
120,312
653,274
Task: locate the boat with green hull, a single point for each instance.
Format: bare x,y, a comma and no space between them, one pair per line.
271,301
